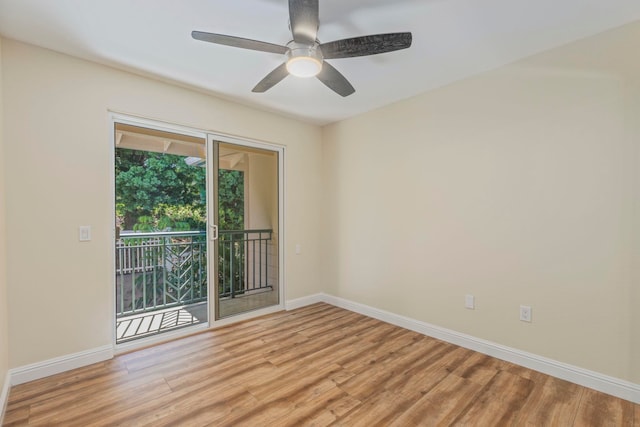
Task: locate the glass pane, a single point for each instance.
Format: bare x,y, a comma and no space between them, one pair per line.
161,244
247,193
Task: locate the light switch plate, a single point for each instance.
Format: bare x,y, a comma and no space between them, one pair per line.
84,233
470,302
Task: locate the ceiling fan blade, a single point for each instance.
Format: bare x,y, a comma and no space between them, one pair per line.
366,45
304,20
238,42
272,79
334,80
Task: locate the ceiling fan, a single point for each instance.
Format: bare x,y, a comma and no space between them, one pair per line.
305,56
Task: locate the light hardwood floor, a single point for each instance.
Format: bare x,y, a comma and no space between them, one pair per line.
319,365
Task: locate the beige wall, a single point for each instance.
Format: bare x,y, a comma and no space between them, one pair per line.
634,301
517,186
263,191
56,132
4,307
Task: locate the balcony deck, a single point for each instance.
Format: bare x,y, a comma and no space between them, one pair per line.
151,323
161,278
230,306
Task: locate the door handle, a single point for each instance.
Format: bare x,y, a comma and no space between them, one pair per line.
214,234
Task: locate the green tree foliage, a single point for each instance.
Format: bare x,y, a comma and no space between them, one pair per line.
231,198
230,217
156,191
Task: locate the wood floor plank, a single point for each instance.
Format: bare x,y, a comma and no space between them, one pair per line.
521,371
499,402
380,332
441,405
294,372
331,353
228,370
376,352
478,368
319,365
214,385
310,319
294,317
424,375
294,386
306,348
421,382
379,410
17,417
599,409
338,323
343,405
555,403
383,375
191,350
196,398
75,412
316,409
46,387
260,415
106,388
198,408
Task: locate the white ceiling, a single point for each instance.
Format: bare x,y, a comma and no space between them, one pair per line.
452,40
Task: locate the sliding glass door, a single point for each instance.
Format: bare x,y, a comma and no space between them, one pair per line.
198,229
246,226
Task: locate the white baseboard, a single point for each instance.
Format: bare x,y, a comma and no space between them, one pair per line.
304,301
4,396
584,377
49,367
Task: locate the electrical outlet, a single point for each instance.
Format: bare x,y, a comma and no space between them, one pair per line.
469,302
525,313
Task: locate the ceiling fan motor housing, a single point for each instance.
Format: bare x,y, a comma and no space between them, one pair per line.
304,60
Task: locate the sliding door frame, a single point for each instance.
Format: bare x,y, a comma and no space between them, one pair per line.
210,138
212,143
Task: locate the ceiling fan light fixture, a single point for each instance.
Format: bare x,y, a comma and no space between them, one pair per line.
304,66
303,60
